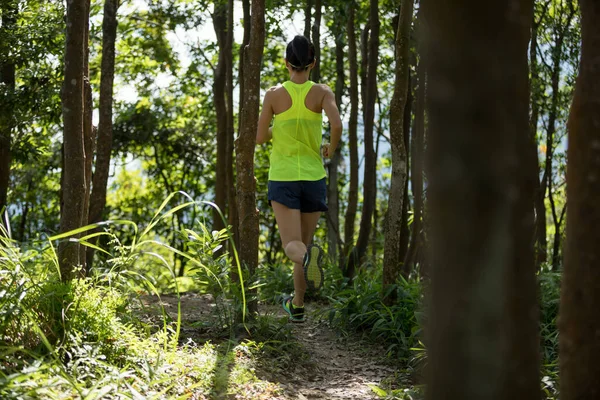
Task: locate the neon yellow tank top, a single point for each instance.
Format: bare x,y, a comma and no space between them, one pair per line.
297,136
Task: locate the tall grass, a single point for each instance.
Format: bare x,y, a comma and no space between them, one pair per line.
82,339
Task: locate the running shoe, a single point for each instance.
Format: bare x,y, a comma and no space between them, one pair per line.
313,272
296,313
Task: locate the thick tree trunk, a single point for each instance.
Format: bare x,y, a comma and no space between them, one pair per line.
333,193
370,178
105,123
393,227
7,100
316,40
307,18
483,331
74,189
416,166
246,183
579,321
350,217
220,82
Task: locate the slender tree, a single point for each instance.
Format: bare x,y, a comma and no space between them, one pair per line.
416,166
105,123
350,217
579,321
89,133
246,183
230,159
393,227
316,40
74,176
7,79
333,203
220,18
307,18
370,177
483,332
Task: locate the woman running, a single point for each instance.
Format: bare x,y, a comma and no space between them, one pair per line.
297,183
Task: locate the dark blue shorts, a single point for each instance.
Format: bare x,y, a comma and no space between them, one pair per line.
306,196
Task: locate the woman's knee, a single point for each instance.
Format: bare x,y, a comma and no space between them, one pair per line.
294,246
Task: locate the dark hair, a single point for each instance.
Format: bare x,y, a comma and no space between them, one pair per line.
300,53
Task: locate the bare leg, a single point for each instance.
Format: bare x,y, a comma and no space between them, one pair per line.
290,229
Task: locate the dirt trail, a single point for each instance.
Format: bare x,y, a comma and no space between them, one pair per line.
335,368
343,367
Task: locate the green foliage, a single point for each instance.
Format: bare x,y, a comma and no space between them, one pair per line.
359,307
549,291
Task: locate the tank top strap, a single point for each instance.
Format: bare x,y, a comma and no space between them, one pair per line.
298,92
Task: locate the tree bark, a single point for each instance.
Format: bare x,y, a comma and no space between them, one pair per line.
333,202
316,41
307,18
246,183
417,169
230,159
393,227
89,141
7,101
370,178
105,123
579,321
405,231
219,17
350,217
483,333
74,180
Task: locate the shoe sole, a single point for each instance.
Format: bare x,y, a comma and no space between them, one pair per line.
291,318
313,272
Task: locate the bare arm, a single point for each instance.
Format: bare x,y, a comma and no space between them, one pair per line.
332,112
264,133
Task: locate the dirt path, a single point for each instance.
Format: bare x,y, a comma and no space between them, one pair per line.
343,367
333,367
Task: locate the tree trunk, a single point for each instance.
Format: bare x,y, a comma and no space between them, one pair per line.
405,233
316,40
350,217
483,332
105,123
370,178
307,18
557,238
393,227
333,193
220,82
246,183
230,159
74,180
417,169
7,100
579,321
89,141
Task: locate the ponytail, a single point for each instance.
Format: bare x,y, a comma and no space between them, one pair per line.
300,53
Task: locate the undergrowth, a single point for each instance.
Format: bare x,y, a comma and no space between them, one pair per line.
83,338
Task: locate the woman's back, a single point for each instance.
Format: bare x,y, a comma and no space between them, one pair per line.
297,132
